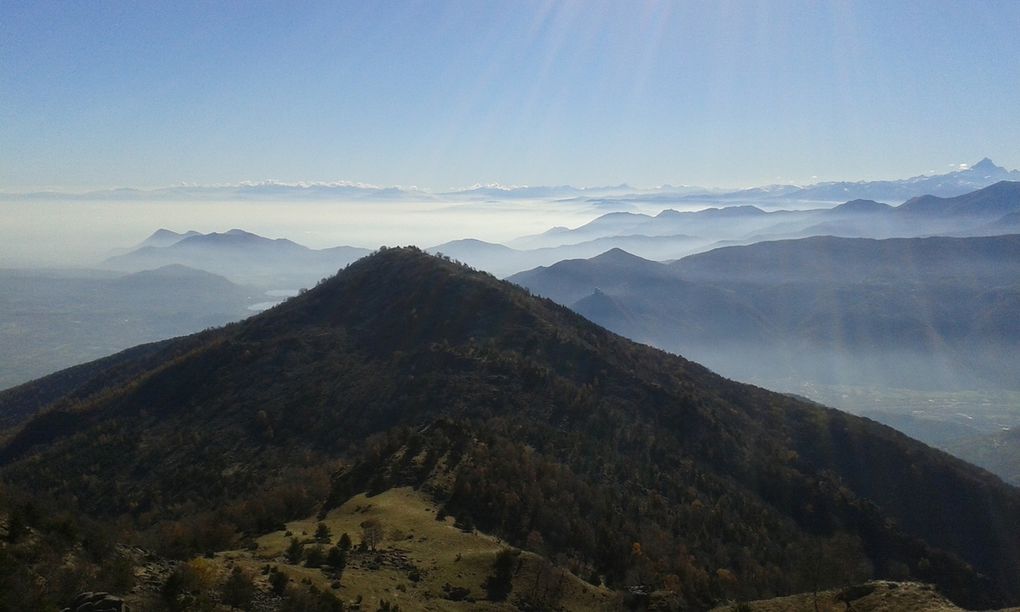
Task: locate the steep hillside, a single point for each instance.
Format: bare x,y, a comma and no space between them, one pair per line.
526,420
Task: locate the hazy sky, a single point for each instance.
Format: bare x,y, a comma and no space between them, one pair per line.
443,94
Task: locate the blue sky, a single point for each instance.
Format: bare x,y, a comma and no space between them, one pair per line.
443,94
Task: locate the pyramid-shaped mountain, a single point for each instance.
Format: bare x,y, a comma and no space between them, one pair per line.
617,459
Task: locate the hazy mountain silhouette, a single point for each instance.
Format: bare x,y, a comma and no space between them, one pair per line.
243,257
917,313
537,192
263,190
957,182
974,213
570,280
164,237
978,176
502,261
709,225
619,197
160,238
991,202
854,207
830,259
954,183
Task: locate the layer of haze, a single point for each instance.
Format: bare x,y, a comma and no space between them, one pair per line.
76,233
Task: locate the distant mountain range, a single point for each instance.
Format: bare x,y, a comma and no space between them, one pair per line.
502,260
264,190
958,182
988,211
248,258
519,418
977,176
515,192
239,255
672,234
920,313
251,259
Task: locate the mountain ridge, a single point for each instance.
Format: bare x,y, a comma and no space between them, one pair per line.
970,213
902,312
952,183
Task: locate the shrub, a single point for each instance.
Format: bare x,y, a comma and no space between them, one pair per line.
238,589
500,583
295,552
278,581
315,556
322,533
336,558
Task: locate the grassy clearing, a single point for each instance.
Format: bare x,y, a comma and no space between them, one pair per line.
447,562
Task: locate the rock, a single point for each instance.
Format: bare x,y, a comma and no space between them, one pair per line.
96,602
854,593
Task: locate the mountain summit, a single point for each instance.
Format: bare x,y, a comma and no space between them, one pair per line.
521,418
987,165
